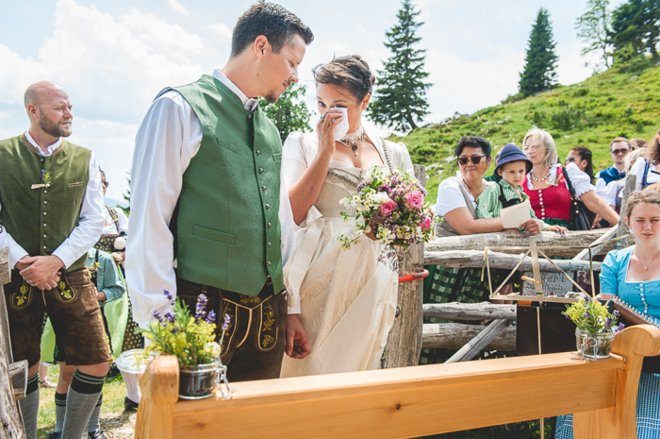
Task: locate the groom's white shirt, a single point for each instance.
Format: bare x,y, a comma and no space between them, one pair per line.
168,138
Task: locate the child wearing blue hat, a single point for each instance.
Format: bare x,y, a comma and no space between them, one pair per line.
512,166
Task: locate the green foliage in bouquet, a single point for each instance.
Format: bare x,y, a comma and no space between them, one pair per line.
191,338
593,317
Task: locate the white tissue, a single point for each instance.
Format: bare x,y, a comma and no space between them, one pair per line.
342,127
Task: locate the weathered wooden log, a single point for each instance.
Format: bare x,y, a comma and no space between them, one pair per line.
628,189
553,244
5,275
11,425
453,336
599,246
469,311
506,261
18,375
404,343
472,348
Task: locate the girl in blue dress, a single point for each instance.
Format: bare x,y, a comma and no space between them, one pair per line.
633,274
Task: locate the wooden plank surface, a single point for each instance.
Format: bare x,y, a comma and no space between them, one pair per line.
453,336
552,244
506,261
469,311
404,402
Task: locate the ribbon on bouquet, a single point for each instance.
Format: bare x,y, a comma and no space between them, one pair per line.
418,275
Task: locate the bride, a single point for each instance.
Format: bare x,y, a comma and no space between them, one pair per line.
347,297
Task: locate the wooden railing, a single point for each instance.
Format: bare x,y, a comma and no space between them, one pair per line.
411,401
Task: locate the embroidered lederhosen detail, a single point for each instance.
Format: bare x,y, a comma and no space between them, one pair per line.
63,292
22,296
267,334
268,329
231,309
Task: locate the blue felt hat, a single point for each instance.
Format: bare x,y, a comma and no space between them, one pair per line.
511,153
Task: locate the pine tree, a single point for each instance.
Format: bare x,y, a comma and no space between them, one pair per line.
289,113
593,27
635,29
400,100
540,72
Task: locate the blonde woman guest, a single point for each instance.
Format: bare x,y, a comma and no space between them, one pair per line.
547,185
633,274
347,296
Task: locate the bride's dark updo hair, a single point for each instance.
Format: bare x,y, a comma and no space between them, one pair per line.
350,72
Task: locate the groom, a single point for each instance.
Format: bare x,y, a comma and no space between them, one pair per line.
206,196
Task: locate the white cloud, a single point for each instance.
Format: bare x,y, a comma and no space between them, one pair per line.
178,7
112,67
221,30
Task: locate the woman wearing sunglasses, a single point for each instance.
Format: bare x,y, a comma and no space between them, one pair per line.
457,196
551,187
457,205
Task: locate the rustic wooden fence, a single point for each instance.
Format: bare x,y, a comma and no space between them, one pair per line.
411,401
12,376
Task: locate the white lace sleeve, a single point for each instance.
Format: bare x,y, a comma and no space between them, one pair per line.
579,179
400,156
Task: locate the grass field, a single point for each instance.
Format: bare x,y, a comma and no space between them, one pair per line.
591,113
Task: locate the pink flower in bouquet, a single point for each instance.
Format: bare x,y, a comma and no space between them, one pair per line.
425,223
387,207
414,199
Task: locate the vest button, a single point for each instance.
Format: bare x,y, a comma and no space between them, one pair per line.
45,213
269,243
263,188
258,152
45,236
44,247
45,202
267,206
269,225
261,170
45,225
268,263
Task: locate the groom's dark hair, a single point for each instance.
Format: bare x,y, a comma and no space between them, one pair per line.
271,20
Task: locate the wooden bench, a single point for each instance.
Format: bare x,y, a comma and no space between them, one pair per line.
411,401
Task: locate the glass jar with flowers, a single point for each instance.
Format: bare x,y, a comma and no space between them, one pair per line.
191,339
595,327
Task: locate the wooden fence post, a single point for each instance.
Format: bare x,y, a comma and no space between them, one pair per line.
11,425
404,343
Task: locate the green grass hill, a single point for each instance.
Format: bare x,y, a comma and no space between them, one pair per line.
591,114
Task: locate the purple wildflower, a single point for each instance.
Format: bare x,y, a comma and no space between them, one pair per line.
619,327
210,317
202,300
169,316
158,316
225,323
169,296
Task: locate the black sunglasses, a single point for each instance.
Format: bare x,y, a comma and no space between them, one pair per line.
570,159
475,159
620,151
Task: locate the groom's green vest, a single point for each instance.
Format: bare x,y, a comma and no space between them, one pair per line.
227,228
37,217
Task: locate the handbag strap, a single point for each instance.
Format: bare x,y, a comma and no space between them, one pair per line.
569,184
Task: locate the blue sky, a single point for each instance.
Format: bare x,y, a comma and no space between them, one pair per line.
113,56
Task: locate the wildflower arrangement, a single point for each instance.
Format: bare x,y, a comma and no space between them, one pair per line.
390,207
191,338
593,317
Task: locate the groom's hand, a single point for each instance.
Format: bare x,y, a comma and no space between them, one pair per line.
297,344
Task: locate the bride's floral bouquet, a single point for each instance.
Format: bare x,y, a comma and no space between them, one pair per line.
390,207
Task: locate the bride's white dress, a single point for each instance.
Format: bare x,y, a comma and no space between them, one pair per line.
347,296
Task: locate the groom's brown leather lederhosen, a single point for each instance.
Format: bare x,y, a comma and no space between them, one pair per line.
253,344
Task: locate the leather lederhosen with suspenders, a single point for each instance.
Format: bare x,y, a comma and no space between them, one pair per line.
504,201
